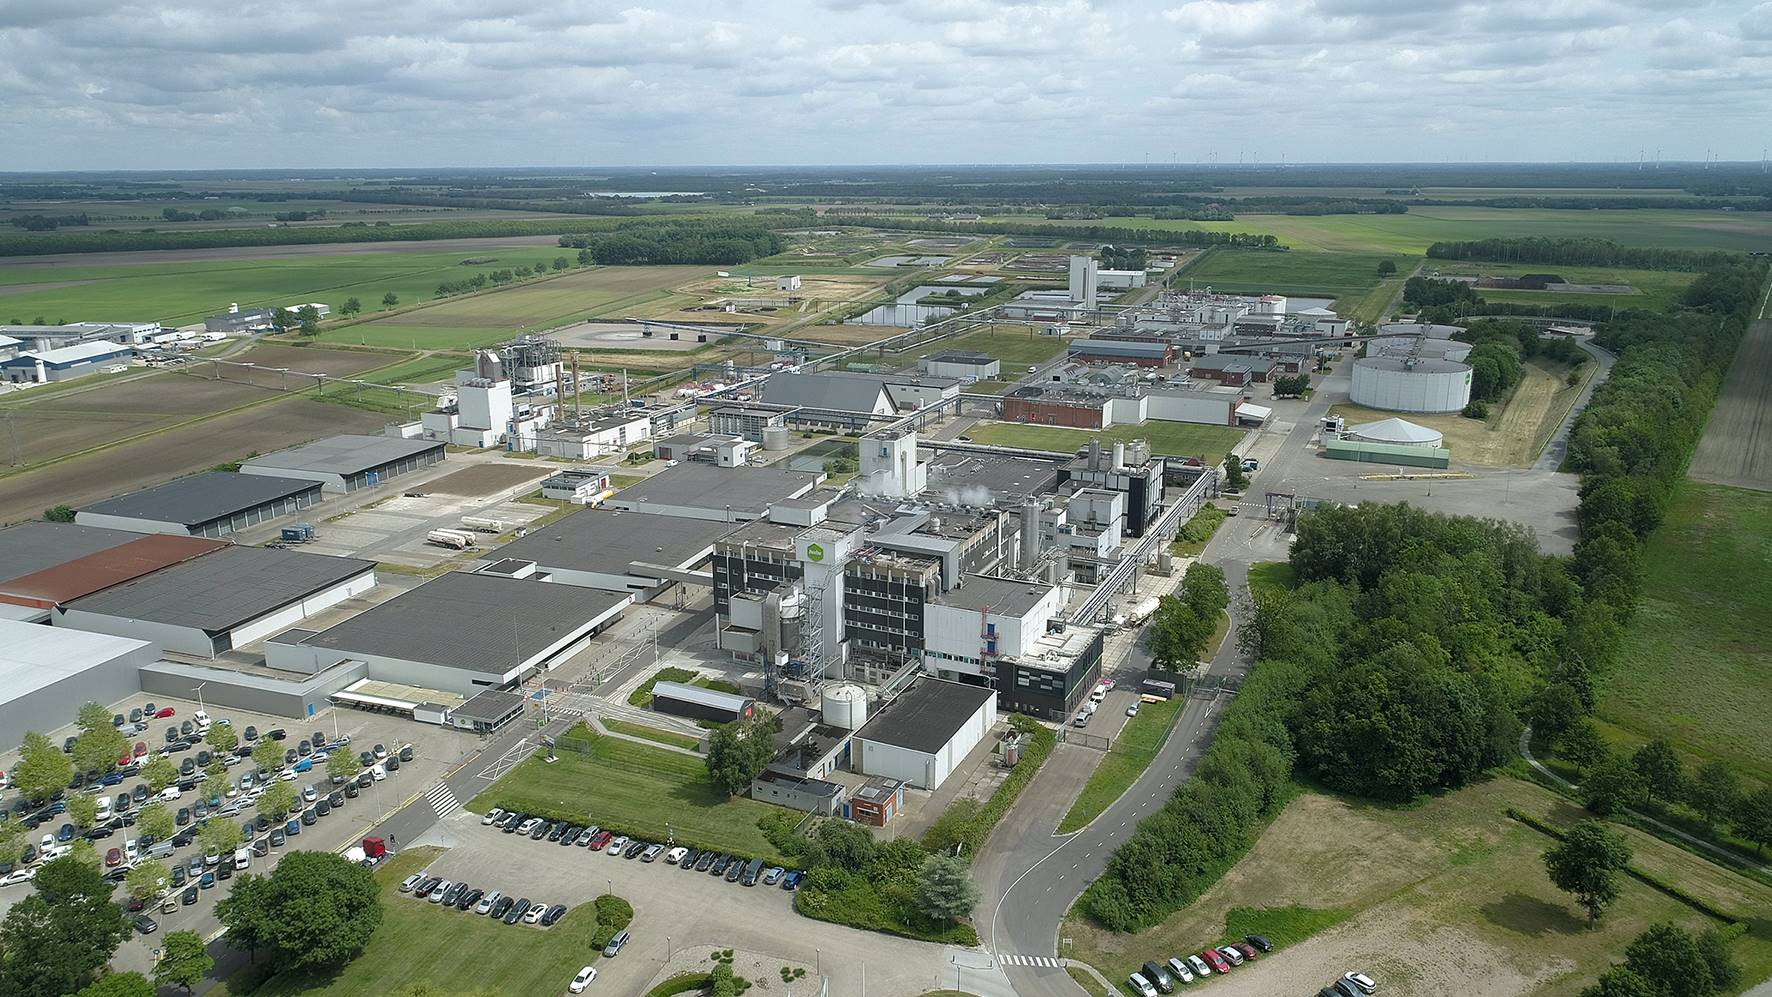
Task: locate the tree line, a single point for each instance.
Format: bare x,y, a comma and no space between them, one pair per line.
1106,233
1579,252
718,241
115,240
495,278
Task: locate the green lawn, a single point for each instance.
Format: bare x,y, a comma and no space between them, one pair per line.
1180,439
181,293
420,943
1410,234
1693,667
1124,763
1014,345
422,370
653,734
466,321
1270,578
634,789
1336,275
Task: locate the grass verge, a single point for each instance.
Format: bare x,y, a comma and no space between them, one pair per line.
642,696
1124,763
1197,532
1090,984
653,734
1270,578
633,789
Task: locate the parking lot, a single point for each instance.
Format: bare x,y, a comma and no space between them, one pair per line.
434,751
678,912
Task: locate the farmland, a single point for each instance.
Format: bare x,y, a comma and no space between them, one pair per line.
174,452
1736,448
184,291
1655,289
1318,274
1693,664
1410,234
1014,345
472,320
1446,897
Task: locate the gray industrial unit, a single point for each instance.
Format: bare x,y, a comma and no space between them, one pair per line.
347,463
211,504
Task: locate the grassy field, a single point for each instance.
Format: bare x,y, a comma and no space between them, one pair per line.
1182,439
1693,667
1410,234
653,734
1340,275
1016,346
1656,289
418,943
1270,578
1516,429
467,321
1124,763
1446,897
634,789
1732,450
186,292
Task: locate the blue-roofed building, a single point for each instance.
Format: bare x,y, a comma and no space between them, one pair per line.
66,363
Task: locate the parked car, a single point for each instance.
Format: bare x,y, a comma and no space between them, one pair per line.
1362,981
441,892
277,838
144,925
652,853
1140,986
406,753
407,884
518,909
585,978
792,880
488,902
536,910
208,881
1180,970
615,945
552,914
391,765
1199,966
618,844
189,897
1216,961
1158,976
468,899
1260,942
600,839
503,907
1231,955
706,861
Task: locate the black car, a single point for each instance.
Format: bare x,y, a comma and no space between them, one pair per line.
557,831
392,764
635,849
319,738
276,734
737,870
189,897
277,838
303,748
250,733
183,816
171,734
517,910
424,889
705,862
145,925
510,823
406,753
469,899
184,837
187,767
453,893
322,807
289,756
135,715
552,914
1347,988
688,859
337,799
261,823
365,759
185,728
500,909
140,793
351,790
541,830
225,870
261,847
178,876
365,780
1259,941
68,745
122,802
117,720
204,758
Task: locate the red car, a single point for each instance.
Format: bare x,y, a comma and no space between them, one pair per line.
113,858
141,748
1218,962
125,758
165,711
600,839
1247,949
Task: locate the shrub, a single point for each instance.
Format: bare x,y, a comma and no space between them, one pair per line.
1476,410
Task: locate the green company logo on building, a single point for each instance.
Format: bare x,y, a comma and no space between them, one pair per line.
814,552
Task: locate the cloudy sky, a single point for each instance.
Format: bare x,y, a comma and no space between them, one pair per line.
161,84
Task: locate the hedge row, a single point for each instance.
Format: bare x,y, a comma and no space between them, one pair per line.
1643,876
969,827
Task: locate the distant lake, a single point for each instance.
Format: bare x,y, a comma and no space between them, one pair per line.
906,312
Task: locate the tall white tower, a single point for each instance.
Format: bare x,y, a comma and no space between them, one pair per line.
889,464
1083,280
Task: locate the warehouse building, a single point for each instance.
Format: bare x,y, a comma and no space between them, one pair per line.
696,703
460,633
72,578
578,485
1234,369
65,363
33,546
346,463
702,491
225,599
625,552
961,364
1148,353
211,504
1387,454
924,734
748,421
46,674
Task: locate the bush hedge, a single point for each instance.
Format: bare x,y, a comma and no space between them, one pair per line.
970,826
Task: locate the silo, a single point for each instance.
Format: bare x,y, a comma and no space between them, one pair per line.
1411,385
775,437
845,705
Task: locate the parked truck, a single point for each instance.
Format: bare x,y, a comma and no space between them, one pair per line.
481,524
300,533
453,539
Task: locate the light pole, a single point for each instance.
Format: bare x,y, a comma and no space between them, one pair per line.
667,950
611,887
199,691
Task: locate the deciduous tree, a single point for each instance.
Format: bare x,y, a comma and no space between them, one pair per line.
146,880
221,737
268,756
1611,785
184,961
1586,864
159,773
130,984
82,809
315,909
1663,776
53,939
92,716
278,799
1670,959
1582,744
1715,792
98,749
1753,818
390,299
42,769
156,821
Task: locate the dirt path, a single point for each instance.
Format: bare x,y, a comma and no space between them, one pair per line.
1736,448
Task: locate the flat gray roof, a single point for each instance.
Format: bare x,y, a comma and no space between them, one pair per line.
684,693
999,595
34,656
925,716
609,541
201,498
747,490
965,357
478,623
345,455
959,469
223,589
489,706
32,546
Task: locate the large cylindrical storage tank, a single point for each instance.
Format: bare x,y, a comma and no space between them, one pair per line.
845,705
1419,329
1411,385
775,437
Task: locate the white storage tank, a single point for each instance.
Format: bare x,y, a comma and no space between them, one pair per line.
1417,385
775,437
845,705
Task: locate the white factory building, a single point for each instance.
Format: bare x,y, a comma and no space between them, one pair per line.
924,734
46,673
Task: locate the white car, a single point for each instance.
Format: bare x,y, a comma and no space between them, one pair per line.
535,913
1140,986
436,895
378,772
308,795
18,876
1181,970
491,815
675,855
616,846
288,775
130,850
582,980
1200,968
412,881
200,718
1362,981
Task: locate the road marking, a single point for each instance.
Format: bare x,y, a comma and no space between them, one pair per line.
1031,960
442,800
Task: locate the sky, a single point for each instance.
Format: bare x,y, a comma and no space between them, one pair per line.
207,84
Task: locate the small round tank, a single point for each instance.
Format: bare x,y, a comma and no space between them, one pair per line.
845,705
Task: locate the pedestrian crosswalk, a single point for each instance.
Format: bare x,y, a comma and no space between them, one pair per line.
442,800
1030,960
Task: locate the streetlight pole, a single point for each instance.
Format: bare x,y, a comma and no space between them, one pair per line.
667,950
199,691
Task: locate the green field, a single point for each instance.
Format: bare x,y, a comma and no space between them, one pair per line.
1179,439
467,321
186,292
634,789
653,734
1657,289
1694,666
420,943
1014,345
1410,234
1347,277
1124,763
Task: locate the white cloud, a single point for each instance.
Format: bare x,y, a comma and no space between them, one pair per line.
190,83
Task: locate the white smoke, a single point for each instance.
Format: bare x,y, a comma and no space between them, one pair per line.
977,496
